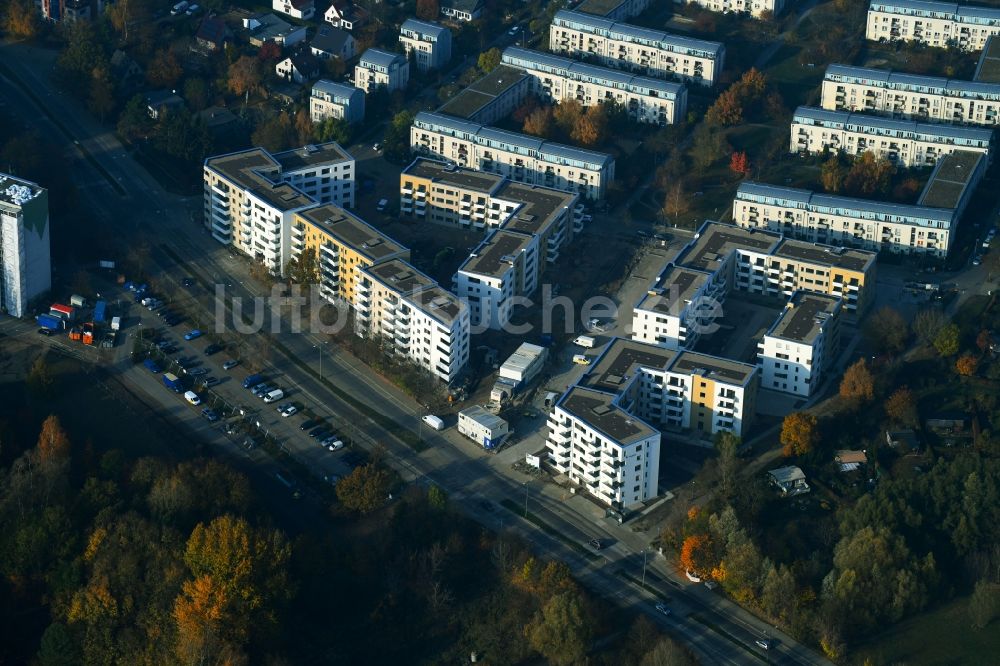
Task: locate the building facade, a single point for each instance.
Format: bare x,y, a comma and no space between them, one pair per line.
482,427
909,96
300,9
428,43
755,8
336,100
25,266
644,99
799,348
622,46
462,10
251,196
906,143
616,10
940,24
518,157
413,318
504,266
382,69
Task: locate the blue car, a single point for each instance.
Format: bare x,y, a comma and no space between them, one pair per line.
192,335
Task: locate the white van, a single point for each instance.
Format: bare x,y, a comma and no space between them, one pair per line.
382,205
192,397
276,394
116,323
179,7
434,422
584,341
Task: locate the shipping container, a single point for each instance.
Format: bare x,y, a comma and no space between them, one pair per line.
50,322
62,311
100,310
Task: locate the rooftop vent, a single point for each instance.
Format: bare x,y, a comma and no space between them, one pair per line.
601,410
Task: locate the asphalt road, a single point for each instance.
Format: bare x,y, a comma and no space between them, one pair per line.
717,629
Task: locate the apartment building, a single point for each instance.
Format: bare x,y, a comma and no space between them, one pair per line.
615,10
342,245
494,96
644,99
382,69
462,10
910,96
25,267
796,352
428,42
622,46
412,317
941,24
906,143
336,100
988,67
518,157
501,268
845,221
755,8
680,306
251,196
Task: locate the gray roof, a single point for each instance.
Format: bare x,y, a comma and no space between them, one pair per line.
353,232
380,58
621,360
715,241
632,33
933,85
330,39
598,410
496,254
949,10
443,172
423,27
804,316
340,92
713,367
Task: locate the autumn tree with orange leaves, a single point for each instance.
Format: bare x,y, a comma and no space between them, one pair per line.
798,434
966,365
53,443
858,384
739,163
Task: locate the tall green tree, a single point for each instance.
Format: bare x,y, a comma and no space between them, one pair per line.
563,630
364,489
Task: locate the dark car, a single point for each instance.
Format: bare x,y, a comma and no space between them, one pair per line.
316,432
173,321
188,282
213,349
310,423
596,544
210,415
211,381
45,331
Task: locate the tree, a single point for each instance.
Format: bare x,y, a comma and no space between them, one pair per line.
778,592
567,114
57,647
983,604
269,52
707,147
676,201
869,174
53,443
697,554
727,110
928,323
887,330
489,60
667,653
590,128
727,444
332,129
164,71
102,93
966,365
127,15
39,379
304,269
196,92
397,137
276,133
562,631
984,341
901,407
833,174
428,9
858,384
539,122
200,613
739,163
21,19
134,122
303,127
364,489
798,434
946,342
437,498
244,76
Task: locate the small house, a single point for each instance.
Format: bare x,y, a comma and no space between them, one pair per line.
347,15
331,42
161,101
789,481
300,9
212,34
298,67
849,461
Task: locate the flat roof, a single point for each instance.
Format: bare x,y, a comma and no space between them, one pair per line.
951,177
449,174
825,255
599,7
483,91
483,417
16,191
352,231
437,302
988,68
674,285
381,58
540,205
400,275
424,27
246,170
312,154
715,241
804,316
713,367
496,254
620,361
597,409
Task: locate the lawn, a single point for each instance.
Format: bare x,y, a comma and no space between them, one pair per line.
941,636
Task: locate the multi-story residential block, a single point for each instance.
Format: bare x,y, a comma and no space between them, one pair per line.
462,10
300,9
25,268
796,352
753,7
680,305
413,317
988,67
342,245
941,24
429,42
644,99
336,100
629,47
504,266
929,98
494,96
252,195
615,10
520,158
382,69
903,142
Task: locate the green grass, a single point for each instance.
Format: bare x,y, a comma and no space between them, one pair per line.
518,509
939,637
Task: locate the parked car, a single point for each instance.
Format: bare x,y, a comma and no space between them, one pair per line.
46,331
307,424
334,445
321,430
229,365
211,381
213,349
193,334
210,414
580,359
289,410
196,372
260,389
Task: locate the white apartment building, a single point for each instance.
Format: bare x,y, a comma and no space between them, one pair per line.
382,69
800,346
412,317
941,24
555,78
680,305
25,268
928,98
903,142
336,100
251,196
755,8
650,52
504,266
482,427
428,42
518,157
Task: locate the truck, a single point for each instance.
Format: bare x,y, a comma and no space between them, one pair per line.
172,382
77,301
151,365
584,341
100,311
88,333
50,322
62,311
253,380
524,364
116,323
433,421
